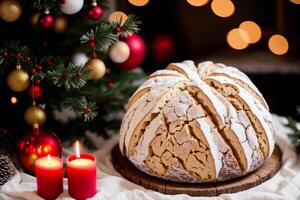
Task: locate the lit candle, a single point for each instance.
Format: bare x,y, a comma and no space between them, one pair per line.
49,176
81,170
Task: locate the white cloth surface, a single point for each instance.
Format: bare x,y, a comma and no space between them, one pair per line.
285,185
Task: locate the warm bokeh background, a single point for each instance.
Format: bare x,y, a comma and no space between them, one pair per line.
175,30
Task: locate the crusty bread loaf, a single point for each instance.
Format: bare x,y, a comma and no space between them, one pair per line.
202,123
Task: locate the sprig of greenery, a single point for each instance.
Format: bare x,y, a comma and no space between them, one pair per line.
103,35
70,77
88,109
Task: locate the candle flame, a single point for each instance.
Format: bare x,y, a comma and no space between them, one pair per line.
49,159
77,150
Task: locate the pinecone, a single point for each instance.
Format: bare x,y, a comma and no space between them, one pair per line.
7,169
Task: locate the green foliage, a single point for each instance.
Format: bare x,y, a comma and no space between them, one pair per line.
70,77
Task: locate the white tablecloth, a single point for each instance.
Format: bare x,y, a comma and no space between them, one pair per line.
284,185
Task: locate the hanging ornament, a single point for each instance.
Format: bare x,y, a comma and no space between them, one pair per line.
10,10
162,48
119,52
35,115
46,20
71,6
95,12
35,92
18,80
97,67
79,58
37,144
34,18
60,24
137,49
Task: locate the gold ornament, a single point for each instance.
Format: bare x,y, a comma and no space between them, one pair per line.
97,67
18,80
119,52
34,18
35,115
60,24
10,10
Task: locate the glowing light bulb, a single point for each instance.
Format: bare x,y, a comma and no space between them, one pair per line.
138,2
13,100
278,44
197,2
222,8
116,17
237,39
252,29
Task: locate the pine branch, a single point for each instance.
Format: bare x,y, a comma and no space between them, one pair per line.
130,25
87,109
103,36
70,77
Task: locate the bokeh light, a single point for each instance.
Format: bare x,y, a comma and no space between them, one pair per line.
295,1
138,2
13,100
237,39
197,2
116,16
222,8
278,44
253,31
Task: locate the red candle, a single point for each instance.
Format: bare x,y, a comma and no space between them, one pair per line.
49,176
81,170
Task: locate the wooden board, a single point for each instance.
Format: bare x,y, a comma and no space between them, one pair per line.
130,172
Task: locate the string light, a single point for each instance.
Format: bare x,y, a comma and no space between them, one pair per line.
116,16
138,2
13,100
222,8
278,44
237,39
253,31
295,1
197,2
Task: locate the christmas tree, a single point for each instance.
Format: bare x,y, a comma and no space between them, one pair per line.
64,56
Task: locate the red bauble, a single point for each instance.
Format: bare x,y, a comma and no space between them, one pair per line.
37,144
163,48
36,90
46,21
95,13
137,52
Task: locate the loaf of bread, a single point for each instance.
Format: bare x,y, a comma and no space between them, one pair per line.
204,123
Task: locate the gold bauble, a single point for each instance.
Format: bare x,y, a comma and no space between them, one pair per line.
97,67
35,114
34,18
10,10
18,80
119,52
60,24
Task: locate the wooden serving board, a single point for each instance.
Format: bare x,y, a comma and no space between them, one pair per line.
130,172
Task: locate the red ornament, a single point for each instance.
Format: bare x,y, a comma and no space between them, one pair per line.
94,55
163,48
37,144
36,90
95,13
38,81
46,20
137,52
